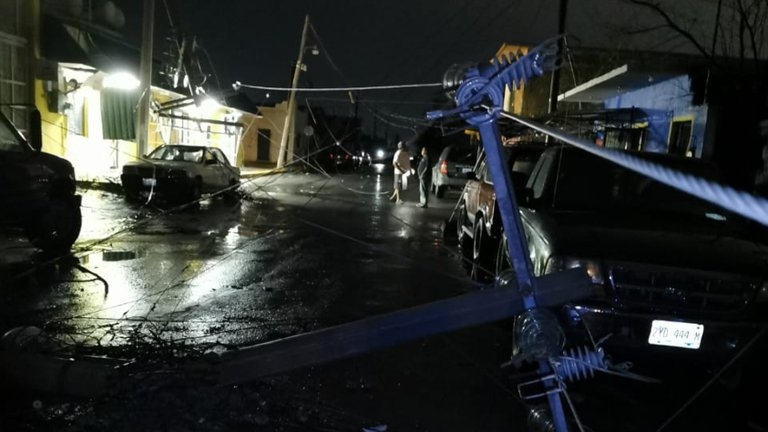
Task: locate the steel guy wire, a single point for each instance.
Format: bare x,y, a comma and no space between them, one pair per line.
714,378
740,202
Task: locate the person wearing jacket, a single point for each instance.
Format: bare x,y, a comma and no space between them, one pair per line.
424,171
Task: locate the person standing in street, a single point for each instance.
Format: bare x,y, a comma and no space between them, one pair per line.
402,168
424,171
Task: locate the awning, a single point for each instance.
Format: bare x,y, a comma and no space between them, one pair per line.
614,83
63,41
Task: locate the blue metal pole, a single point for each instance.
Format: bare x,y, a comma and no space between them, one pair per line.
517,247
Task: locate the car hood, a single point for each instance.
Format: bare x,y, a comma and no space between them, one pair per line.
162,163
37,164
702,245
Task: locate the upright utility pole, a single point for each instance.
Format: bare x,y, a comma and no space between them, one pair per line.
142,123
291,112
554,87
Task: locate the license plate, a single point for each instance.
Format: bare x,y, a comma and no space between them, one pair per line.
466,170
149,181
676,334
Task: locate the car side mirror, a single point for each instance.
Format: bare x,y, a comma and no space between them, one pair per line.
522,196
35,130
522,193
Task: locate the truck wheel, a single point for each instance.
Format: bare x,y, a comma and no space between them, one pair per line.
55,230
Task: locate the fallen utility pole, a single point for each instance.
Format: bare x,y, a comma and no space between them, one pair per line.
387,330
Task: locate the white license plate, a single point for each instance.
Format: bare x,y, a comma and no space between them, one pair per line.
149,181
676,334
466,170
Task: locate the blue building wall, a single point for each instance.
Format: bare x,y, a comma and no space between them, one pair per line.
663,102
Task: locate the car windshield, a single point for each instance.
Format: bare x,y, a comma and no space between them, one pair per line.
589,183
177,153
462,155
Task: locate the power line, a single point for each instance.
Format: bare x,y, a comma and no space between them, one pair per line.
238,85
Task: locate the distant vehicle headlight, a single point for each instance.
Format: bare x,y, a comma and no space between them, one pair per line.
379,154
762,293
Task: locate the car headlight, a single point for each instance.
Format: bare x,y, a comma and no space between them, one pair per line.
593,268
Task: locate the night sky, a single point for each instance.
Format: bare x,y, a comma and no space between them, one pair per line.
372,43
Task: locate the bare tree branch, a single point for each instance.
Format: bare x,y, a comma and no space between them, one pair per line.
643,30
656,7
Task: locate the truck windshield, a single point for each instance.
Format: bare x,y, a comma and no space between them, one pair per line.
589,183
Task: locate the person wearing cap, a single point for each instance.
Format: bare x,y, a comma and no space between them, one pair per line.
402,167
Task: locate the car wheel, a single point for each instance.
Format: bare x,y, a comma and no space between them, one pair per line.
483,253
232,191
502,256
55,230
131,195
463,240
196,190
439,191
461,222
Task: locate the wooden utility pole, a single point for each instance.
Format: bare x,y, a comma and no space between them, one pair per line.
291,111
554,87
142,123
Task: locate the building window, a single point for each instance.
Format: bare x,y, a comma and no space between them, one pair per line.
14,92
680,137
624,139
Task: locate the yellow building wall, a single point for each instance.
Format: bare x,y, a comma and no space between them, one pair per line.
96,158
53,125
272,118
513,98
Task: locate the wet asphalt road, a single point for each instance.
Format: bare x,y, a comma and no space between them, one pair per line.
299,252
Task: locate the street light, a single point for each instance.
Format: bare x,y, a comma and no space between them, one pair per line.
288,125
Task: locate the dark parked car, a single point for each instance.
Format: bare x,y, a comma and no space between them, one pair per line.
362,159
672,275
477,220
182,172
37,191
342,160
452,166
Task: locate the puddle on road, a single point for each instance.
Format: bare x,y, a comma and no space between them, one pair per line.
117,255
113,255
